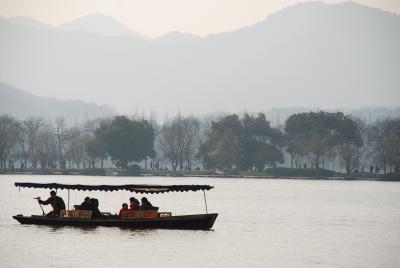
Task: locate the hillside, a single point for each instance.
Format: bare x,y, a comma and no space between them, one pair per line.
98,24
310,55
22,105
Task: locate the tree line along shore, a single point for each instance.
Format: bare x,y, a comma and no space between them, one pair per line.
308,145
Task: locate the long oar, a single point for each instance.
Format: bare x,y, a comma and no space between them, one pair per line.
38,198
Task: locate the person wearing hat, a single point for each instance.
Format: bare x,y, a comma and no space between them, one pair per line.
55,201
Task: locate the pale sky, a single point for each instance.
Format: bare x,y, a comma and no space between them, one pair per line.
157,17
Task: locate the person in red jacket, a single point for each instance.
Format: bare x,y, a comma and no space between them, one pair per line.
134,204
123,209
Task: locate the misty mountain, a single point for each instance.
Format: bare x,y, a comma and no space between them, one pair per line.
98,24
29,22
177,38
308,55
93,24
22,105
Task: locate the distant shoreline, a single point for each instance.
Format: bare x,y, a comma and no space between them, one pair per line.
149,173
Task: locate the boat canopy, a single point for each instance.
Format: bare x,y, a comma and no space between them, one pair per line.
137,188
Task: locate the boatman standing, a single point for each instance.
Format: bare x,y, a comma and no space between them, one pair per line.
55,201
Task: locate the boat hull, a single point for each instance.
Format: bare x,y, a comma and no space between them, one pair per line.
190,222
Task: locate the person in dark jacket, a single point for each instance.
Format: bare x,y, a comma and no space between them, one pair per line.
146,205
86,204
55,201
95,208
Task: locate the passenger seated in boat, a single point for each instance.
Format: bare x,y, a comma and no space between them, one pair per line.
95,208
146,205
123,209
86,204
55,201
134,204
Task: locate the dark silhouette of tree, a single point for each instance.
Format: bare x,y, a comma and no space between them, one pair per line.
128,140
243,144
261,143
314,135
222,149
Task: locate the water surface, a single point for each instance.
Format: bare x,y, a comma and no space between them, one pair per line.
261,223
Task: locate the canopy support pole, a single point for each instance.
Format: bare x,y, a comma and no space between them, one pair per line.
205,200
68,199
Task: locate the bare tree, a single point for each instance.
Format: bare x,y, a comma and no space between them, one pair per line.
75,147
179,141
169,142
204,135
385,136
8,137
22,148
350,152
46,147
32,126
95,147
62,136
191,137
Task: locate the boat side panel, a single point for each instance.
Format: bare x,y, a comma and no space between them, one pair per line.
202,221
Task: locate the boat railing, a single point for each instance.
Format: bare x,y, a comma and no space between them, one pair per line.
139,214
126,215
164,214
75,214
144,214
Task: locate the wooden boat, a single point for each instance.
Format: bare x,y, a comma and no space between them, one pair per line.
191,222
148,219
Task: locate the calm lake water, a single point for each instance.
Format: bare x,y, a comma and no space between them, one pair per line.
261,223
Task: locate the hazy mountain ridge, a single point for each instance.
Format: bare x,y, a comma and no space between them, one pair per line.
22,105
28,22
98,24
310,55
